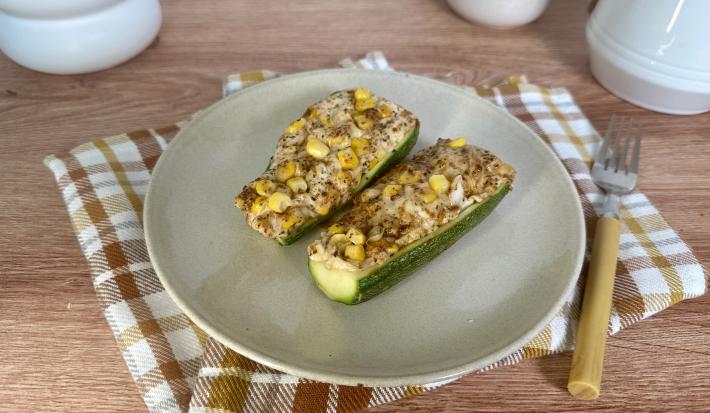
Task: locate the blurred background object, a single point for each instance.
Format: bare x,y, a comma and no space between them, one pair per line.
499,14
656,56
76,36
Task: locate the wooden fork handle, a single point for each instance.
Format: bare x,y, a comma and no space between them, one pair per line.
586,372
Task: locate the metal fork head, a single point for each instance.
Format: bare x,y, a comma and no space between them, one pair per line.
612,170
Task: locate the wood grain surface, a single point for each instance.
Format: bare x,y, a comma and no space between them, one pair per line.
58,352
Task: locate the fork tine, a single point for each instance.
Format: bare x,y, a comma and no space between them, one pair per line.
619,135
601,153
620,164
637,151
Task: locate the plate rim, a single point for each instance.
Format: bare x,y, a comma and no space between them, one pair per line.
434,376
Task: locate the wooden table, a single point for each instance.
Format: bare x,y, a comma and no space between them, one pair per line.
58,352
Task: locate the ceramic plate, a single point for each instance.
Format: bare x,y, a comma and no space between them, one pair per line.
480,300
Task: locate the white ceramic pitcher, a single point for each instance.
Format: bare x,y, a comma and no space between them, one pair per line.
655,54
76,36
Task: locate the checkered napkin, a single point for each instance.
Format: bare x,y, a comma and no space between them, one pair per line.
177,367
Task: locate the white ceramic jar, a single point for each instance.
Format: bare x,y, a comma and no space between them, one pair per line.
76,36
499,14
655,54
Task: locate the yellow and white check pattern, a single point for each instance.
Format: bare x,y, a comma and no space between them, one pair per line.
178,368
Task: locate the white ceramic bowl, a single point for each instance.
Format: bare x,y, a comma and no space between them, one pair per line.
76,36
655,57
499,14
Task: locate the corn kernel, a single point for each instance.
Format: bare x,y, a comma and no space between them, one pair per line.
362,105
338,240
334,140
355,236
290,221
428,196
317,149
297,184
362,93
439,183
362,121
355,252
359,145
258,205
384,110
375,234
391,190
458,142
392,249
279,202
264,187
408,177
347,158
285,171
336,229
323,210
380,154
239,202
296,126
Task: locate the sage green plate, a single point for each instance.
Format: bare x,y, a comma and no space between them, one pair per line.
477,302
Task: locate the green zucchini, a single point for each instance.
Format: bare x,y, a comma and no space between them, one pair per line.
406,218
395,157
351,287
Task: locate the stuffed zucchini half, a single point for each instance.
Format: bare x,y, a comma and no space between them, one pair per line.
408,217
323,159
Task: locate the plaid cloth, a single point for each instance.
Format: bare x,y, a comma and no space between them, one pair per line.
177,367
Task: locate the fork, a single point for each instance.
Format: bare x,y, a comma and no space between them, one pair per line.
612,173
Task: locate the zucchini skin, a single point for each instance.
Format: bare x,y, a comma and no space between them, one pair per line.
406,262
395,157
